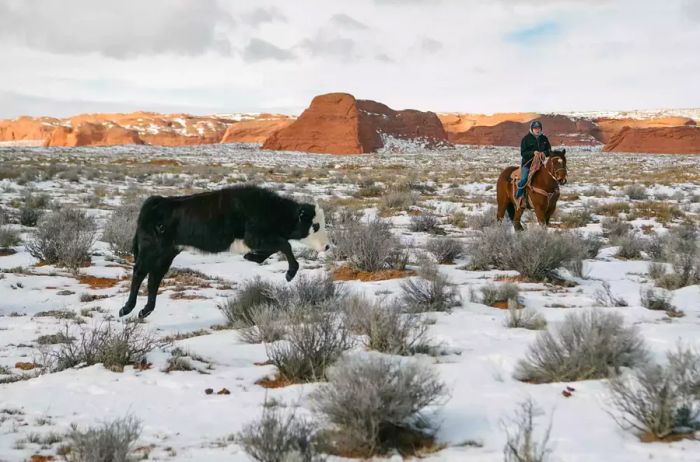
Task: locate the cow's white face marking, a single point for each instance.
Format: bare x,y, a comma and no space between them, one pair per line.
238,246
189,248
318,237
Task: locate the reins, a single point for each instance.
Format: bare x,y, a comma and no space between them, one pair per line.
548,195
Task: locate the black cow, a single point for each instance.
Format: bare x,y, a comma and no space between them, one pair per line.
247,219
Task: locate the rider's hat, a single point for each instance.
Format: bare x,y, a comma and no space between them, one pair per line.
535,124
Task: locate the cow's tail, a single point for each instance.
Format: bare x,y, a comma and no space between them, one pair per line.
135,247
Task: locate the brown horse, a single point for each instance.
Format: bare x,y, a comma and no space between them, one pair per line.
542,192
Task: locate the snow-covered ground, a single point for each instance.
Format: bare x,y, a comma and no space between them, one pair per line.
181,422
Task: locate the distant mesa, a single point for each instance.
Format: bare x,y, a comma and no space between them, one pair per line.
256,130
661,140
140,128
337,123
561,130
619,132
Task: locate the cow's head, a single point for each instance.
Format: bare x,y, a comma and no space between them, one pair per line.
311,228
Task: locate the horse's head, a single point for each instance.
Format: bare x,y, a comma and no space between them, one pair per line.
556,164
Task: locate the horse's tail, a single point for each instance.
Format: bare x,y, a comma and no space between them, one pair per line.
510,208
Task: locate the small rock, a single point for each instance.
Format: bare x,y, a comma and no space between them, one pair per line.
209,391
223,391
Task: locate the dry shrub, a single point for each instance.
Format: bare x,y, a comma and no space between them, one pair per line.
280,437
385,327
590,345
660,400
369,246
445,249
113,346
311,346
109,442
64,238
521,439
120,228
376,404
432,292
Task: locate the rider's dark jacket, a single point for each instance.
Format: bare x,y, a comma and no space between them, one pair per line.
532,143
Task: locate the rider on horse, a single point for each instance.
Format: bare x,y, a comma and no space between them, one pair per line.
532,143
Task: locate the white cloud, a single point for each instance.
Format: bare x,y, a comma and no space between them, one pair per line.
258,50
454,55
122,29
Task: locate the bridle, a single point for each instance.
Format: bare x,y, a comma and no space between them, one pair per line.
555,193
553,175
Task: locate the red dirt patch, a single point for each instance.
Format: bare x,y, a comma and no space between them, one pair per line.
184,296
649,438
345,273
504,278
274,382
163,162
6,252
143,365
26,366
501,305
98,283
40,458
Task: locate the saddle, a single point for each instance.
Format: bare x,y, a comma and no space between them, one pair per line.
515,176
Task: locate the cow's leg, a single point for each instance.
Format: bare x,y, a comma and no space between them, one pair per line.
155,276
139,274
286,249
258,256
144,261
274,244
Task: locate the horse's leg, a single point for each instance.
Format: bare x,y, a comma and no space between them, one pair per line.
501,210
550,212
541,213
516,219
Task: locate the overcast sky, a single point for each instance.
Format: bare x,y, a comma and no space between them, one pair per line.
204,56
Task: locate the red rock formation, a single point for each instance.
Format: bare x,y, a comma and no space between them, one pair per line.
255,130
140,127
662,140
461,122
92,134
27,129
561,130
337,123
609,127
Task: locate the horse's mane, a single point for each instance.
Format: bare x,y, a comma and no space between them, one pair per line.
558,153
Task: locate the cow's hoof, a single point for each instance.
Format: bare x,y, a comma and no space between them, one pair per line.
125,310
290,275
144,313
